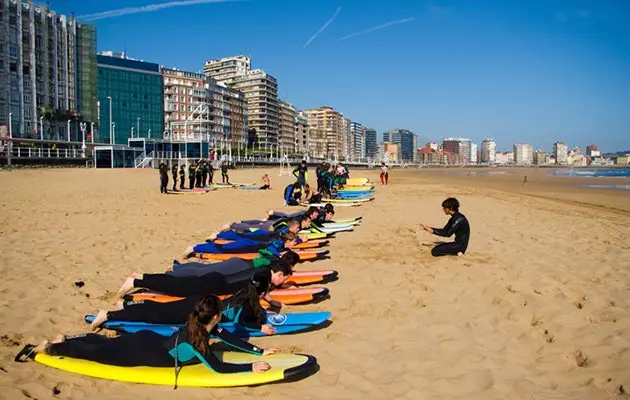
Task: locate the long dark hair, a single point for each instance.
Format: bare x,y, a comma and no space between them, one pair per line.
253,297
206,308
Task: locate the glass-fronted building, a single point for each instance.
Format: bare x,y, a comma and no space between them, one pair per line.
133,90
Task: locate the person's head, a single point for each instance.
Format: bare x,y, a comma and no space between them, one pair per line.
206,315
330,214
288,239
294,226
450,206
296,185
305,221
382,164
290,257
304,163
329,207
307,188
312,212
280,272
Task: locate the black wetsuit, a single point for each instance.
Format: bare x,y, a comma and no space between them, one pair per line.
146,348
191,176
210,283
182,177
163,178
224,174
177,312
458,225
174,172
300,173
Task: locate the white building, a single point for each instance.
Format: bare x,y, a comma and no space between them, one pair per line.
357,151
523,154
506,157
561,153
473,153
488,151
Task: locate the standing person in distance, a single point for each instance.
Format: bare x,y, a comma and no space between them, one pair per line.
174,172
224,173
182,176
301,173
384,174
163,168
457,224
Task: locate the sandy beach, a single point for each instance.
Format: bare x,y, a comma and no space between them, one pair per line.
539,307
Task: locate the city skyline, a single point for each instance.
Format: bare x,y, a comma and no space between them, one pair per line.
564,81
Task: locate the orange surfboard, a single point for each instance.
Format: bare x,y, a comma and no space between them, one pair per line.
305,255
286,296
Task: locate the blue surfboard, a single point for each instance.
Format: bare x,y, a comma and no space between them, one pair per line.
283,323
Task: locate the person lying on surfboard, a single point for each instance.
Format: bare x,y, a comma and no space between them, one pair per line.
190,344
210,283
275,215
286,241
254,229
242,308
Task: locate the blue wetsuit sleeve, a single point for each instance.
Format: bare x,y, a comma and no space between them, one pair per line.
211,361
288,193
449,229
236,342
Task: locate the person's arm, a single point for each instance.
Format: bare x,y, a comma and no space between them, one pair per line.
236,342
247,317
296,171
288,194
211,361
449,229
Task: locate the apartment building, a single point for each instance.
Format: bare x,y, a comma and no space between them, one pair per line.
301,133
561,153
407,143
371,144
488,151
47,72
197,107
287,139
358,141
523,154
327,132
260,90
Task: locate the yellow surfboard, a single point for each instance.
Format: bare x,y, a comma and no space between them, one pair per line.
347,200
356,188
357,181
283,367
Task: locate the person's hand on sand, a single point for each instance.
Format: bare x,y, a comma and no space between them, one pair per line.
426,228
268,330
260,366
270,351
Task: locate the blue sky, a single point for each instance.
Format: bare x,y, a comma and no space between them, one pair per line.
530,71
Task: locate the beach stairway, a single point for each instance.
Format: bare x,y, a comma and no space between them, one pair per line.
144,160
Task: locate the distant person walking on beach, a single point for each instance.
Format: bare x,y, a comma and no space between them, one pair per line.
384,174
182,176
457,224
163,168
224,173
174,172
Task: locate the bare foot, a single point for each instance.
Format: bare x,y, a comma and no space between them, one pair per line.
59,339
460,254
41,348
126,286
100,318
189,251
212,236
270,212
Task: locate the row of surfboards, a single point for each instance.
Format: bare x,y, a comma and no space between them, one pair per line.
284,366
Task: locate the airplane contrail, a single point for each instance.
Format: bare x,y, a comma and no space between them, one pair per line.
323,27
377,28
143,9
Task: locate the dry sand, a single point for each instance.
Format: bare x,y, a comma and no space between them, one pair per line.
539,308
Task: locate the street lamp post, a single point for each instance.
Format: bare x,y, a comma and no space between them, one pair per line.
138,126
112,133
41,128
132,132
83,126
149,133
111,127
68,130
92,131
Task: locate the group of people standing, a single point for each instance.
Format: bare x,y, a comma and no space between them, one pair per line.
200,174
